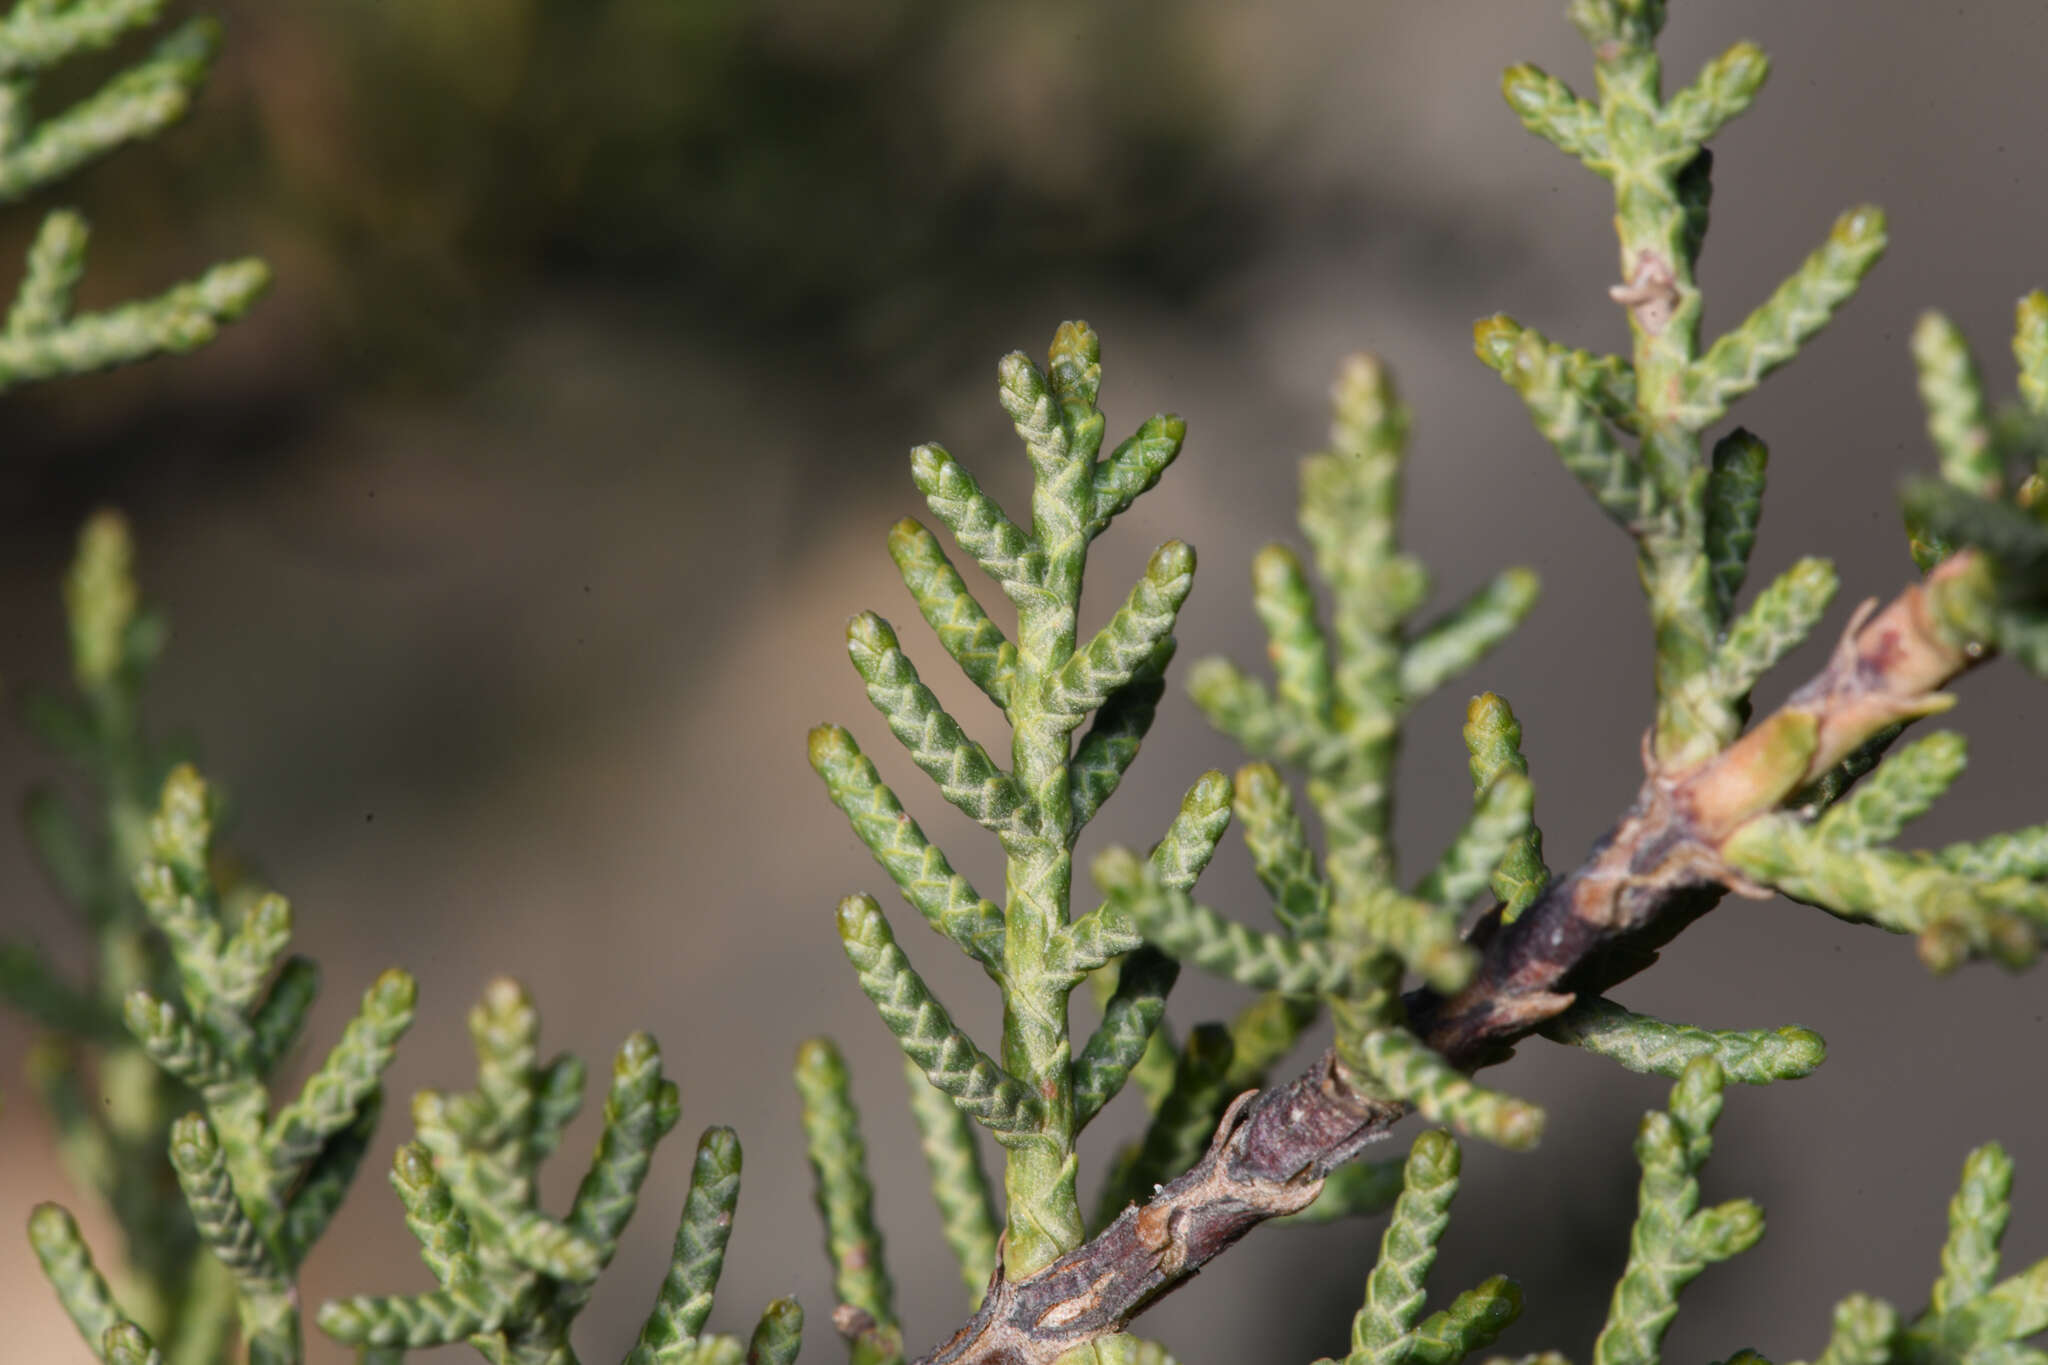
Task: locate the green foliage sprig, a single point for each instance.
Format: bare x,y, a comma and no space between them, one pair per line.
1033,1095
113,1107
260,1186
1672,1242
42,337
1992,495
513,1278
1390,1329
1348,929
1693,515
1988,898
196,1005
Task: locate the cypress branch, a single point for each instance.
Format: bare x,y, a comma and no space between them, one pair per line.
966,775
1133,468
67,1264
1499,823
1394,1291
1180,1126
1410,1072
1467,633
1493,741
1106,750
1132,637
1004,553
1957,421
1301,656
1169,918
1778,622
1976,1225
1673,1240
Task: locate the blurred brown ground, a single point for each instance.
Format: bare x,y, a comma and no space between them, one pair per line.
506,648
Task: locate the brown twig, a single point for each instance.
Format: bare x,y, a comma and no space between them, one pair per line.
1656,871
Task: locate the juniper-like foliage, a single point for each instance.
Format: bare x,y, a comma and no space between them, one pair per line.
43,338
1348,927
1673,1239
260,1183
1803,803
1985,898
514,1277
111,1105
1631,428
195,1004
1051,685
1390,1328
1972,1315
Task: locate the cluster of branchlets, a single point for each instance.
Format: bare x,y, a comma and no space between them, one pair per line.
220,1192
195,1007
1807,803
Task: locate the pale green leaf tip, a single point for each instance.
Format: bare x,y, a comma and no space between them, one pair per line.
829,745
393,995
818,1056
1804,1051
1494,340
867,633
1170,562
1524,86
1862,226
1209,794
861,921
51,1225
127,1344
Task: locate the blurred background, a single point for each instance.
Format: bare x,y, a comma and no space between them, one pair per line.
509,544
